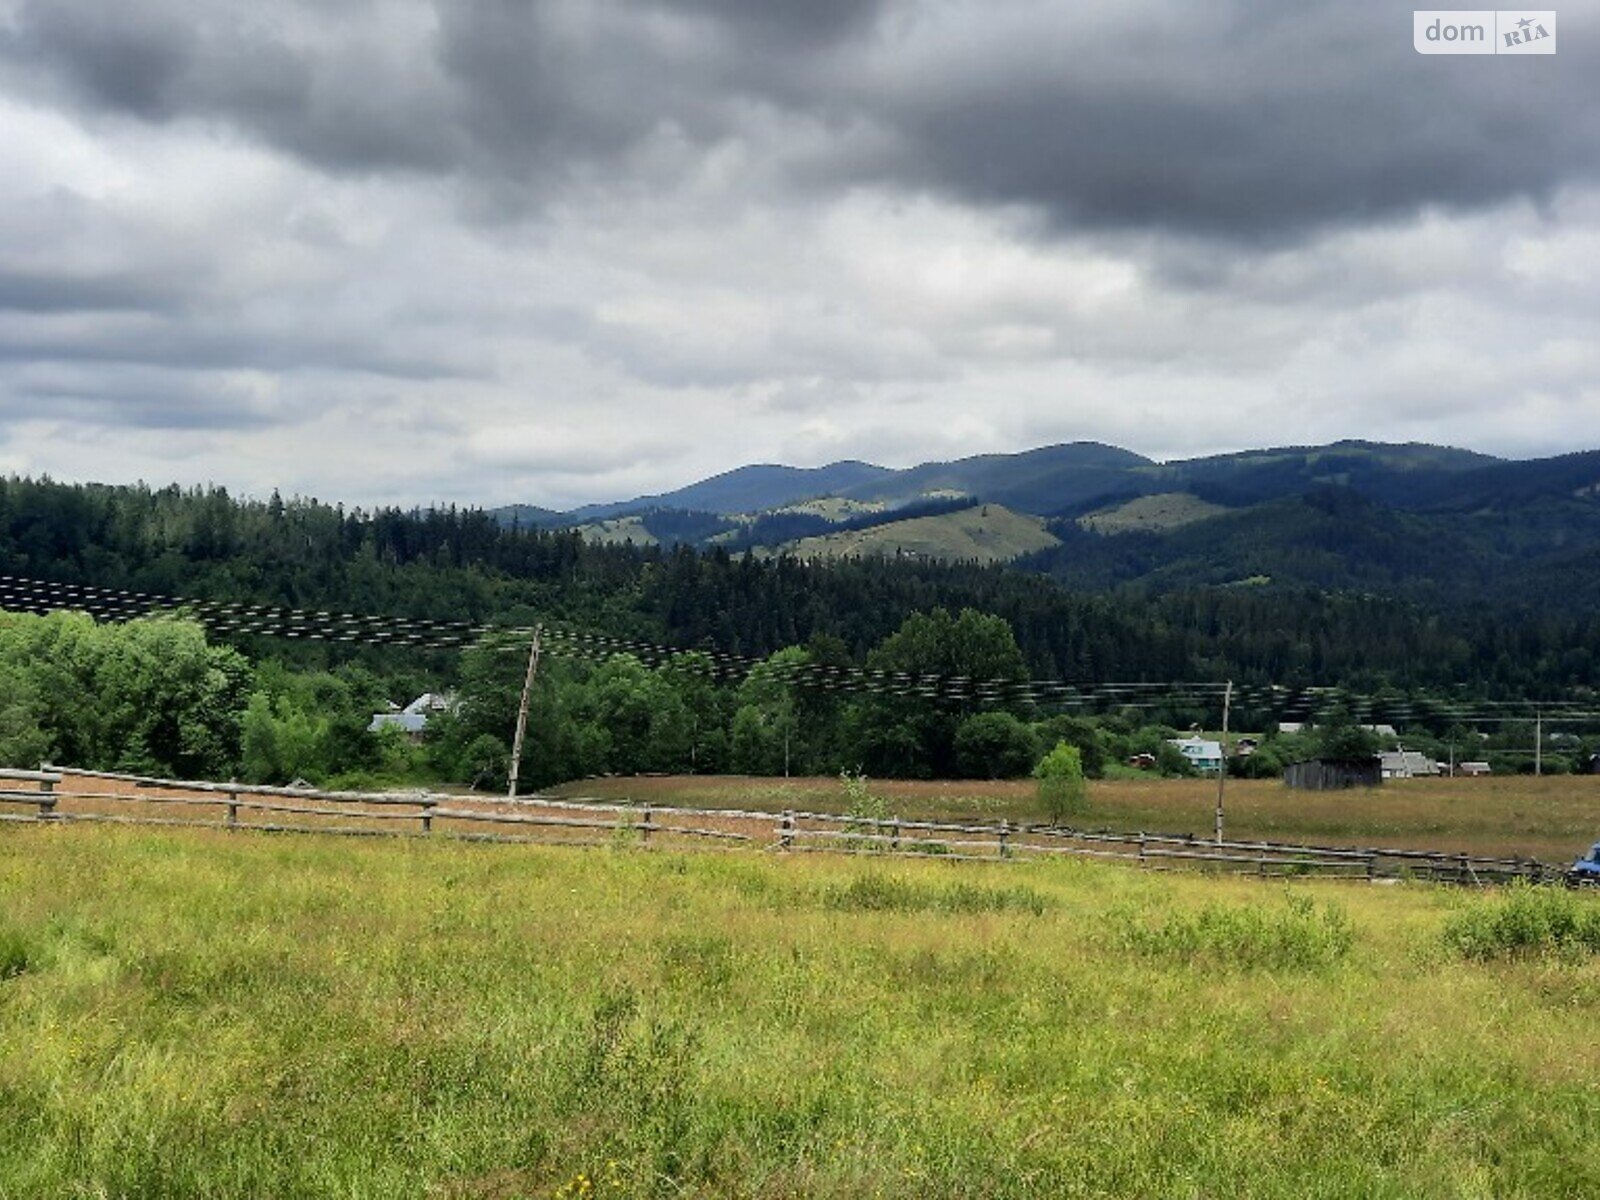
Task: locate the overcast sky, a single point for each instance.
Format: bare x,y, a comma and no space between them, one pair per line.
387,251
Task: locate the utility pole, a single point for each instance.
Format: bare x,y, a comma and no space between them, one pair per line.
1222,769
522,712
1538,743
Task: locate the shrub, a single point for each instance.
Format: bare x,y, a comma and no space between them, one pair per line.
994,745
1062,791
889,893
1524,920
1300,935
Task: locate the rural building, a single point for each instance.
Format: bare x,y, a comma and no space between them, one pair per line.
1145,762
1474,768
1406,764
1292,726
413,718
1333,774
1203,755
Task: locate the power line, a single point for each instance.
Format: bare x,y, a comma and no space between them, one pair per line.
239,619
233,618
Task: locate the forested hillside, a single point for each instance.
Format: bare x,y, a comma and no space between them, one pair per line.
1447,528
291,707
463,564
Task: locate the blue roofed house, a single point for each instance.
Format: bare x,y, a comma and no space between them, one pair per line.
413,718
1203,755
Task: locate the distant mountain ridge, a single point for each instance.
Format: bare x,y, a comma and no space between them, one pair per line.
1056,480
750,489
1430,523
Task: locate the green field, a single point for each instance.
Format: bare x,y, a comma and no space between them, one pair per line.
193,1014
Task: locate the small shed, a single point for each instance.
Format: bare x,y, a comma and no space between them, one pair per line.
1333,774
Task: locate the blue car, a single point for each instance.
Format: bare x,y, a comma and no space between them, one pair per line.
1587,869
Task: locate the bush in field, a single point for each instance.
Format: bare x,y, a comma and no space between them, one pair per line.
1088,735
994,745
888,893
1526,920
1062,790
1299,935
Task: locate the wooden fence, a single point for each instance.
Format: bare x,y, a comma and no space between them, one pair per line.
64,795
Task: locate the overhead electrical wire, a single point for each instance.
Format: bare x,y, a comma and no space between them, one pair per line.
425,633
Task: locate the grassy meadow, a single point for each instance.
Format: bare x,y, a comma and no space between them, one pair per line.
1554,818
189,1013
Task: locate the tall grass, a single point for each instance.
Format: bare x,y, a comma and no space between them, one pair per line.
189,1014
892,893
1543,817
1296,934
1527,921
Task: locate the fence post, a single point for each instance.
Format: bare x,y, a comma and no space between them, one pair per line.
1005,832
894,844
1141,848
786,830
427,803
233,807
644,827
47,799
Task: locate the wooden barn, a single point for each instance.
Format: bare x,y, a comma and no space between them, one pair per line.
1332,774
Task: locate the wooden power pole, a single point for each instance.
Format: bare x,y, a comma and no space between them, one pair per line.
522,712
1222,767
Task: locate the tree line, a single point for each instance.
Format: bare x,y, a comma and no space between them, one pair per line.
156,696
464,564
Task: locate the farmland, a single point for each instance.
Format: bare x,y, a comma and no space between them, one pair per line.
193,1013
1550,818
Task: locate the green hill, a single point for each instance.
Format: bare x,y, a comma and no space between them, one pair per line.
1151,514
985,533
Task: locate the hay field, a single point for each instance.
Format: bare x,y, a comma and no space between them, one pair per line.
1551,818
192,1013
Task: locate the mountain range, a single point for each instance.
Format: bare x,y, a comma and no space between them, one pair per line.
1407,519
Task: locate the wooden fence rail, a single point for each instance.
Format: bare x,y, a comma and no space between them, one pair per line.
64,795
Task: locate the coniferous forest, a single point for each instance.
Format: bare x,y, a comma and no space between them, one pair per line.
664,682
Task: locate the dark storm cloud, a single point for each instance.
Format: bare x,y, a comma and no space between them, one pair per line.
1234,119
1244,120
330,93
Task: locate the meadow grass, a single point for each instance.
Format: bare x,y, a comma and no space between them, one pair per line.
187,1013
1552,818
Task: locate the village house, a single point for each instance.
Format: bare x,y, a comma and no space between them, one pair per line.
1406,764
1203,755
413,718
